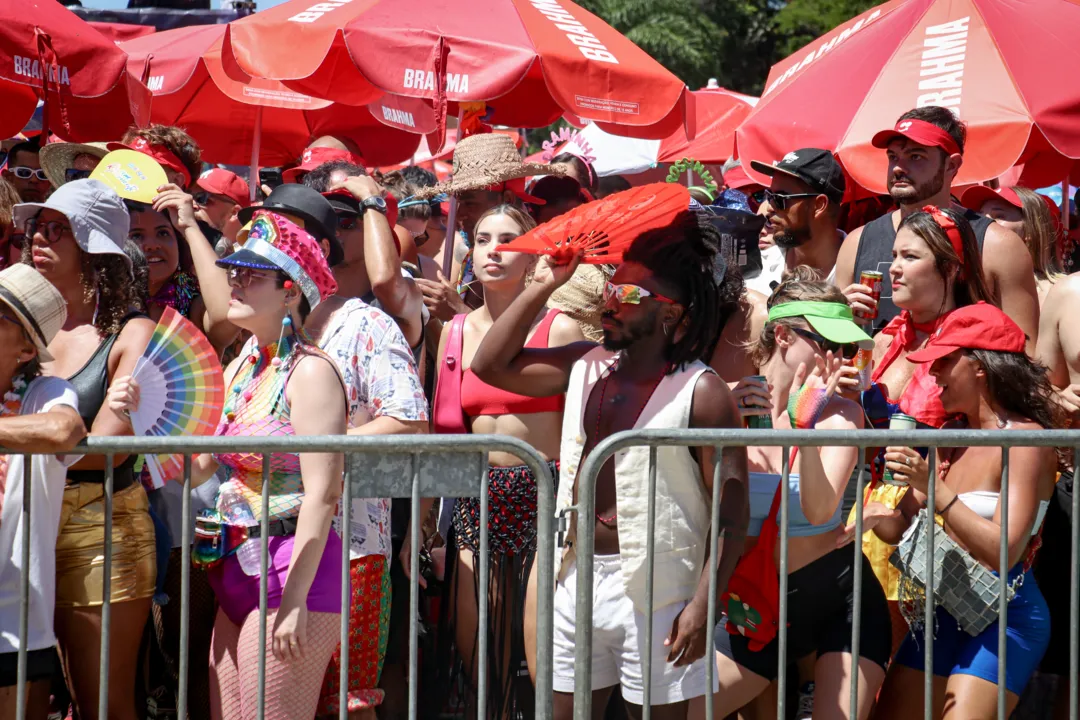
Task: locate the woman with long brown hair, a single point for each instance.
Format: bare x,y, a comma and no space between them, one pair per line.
513,491
75,240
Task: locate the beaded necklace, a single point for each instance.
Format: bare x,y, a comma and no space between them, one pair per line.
178,293
251,368
637,416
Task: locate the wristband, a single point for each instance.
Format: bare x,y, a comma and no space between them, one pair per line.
805,407
949,505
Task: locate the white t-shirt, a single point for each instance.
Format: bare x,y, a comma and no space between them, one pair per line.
773,265
48,475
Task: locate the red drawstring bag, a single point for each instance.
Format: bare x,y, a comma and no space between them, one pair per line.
752,598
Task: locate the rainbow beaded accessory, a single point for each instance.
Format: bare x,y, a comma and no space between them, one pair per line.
805,407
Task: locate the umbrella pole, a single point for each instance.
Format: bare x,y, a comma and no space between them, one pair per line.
1065,204
451,217
256,141
689,178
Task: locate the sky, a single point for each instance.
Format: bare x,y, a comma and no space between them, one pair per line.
121,4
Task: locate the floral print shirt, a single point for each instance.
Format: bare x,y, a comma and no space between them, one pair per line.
381,380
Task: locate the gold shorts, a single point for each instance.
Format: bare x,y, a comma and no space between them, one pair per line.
80,558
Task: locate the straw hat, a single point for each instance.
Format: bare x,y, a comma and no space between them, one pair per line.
484,160
57,158
582,299
36,303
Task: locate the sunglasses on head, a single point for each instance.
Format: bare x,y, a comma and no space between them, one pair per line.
844,350
25,173
631,294
71,174
779,201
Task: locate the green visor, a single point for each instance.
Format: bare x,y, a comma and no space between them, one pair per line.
832,320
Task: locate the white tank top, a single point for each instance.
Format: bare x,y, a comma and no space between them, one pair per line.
984,504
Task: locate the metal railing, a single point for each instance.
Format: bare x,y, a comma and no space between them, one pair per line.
415,466
933,439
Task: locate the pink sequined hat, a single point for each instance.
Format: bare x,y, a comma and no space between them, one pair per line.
276,243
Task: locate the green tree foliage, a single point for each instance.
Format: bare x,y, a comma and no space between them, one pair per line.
734,41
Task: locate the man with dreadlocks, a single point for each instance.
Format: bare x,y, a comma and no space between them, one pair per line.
660,321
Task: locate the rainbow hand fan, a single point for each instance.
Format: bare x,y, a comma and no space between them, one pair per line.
603,230
182,389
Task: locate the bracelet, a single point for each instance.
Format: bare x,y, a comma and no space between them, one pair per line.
951,503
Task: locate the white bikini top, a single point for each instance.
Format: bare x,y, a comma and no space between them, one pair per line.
984,504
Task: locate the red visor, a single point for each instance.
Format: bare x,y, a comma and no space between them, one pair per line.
975,197
163,155
314,157
919,132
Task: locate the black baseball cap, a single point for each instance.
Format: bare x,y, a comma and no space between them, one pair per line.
308,205
813,166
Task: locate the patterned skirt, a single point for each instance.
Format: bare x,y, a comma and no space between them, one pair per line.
511,512
369,625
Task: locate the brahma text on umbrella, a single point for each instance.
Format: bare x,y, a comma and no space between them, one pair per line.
823,49
32,68
398,117
589,45
317,10
425,80
942,71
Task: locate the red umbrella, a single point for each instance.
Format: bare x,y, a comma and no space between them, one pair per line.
225,115
47,52
529,60
997,63
719,112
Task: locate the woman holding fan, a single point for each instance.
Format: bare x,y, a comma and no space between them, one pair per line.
75,240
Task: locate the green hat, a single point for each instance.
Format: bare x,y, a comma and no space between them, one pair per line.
832,320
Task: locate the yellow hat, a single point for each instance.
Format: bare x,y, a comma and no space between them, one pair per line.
131,175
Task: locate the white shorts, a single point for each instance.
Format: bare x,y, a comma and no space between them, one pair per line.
618,641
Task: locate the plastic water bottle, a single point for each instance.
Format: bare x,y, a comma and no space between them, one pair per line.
235,510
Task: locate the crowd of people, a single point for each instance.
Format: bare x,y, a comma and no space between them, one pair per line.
328,300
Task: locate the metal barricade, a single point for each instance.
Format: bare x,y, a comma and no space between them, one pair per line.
413,466
933,439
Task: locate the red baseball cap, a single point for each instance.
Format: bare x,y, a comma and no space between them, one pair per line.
220,181
975,327
737,179
919,132
977,195
164,156
314,157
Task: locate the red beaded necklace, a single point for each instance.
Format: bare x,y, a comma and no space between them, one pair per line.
600,414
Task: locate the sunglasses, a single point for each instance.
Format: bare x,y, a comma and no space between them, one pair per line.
631,294
71,174
25,173
845,350
51,231
242,277
347,221
779,201
204,198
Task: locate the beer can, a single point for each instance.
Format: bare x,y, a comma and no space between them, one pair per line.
898,421
864,363
759,422
873,280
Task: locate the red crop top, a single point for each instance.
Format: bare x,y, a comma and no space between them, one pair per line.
478,398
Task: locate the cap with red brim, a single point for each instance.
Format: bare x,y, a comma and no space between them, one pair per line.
976,196
919,132
975,327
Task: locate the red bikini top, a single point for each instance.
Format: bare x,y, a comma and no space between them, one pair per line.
478,398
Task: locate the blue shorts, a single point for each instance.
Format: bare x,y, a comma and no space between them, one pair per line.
957,653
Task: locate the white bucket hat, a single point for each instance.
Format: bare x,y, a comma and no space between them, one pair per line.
38,305
99,219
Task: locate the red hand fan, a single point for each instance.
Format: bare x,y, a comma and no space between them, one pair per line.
602,230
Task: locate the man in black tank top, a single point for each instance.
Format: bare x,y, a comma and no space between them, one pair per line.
925,152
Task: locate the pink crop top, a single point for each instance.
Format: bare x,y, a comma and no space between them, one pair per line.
478,398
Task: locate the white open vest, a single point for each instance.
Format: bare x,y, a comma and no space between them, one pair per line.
682,504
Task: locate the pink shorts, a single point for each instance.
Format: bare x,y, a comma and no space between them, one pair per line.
238,593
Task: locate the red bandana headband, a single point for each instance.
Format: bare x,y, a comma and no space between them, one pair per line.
952,231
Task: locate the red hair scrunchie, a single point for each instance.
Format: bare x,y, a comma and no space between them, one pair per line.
951,231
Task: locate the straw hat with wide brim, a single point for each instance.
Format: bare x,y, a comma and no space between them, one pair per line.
57,158
582,299
481,161
38,305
